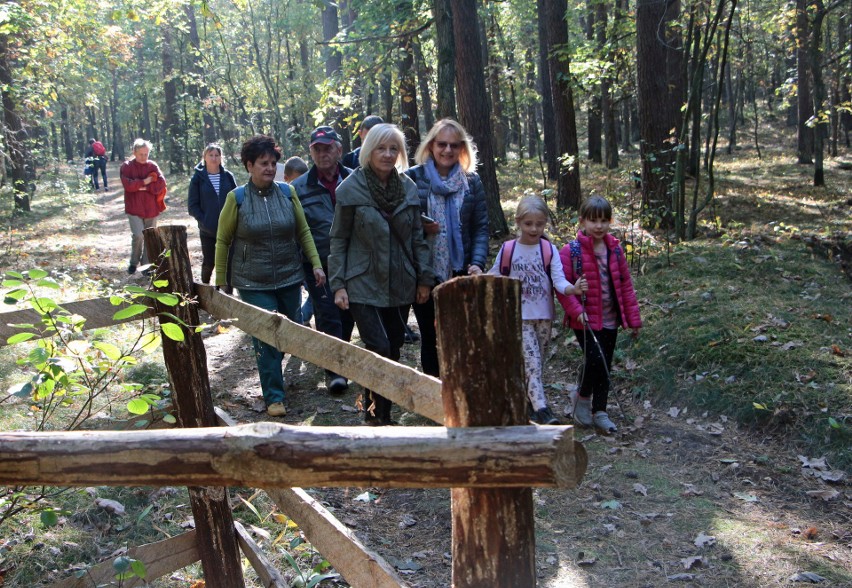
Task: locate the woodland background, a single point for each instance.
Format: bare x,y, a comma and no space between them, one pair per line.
720,131
675,78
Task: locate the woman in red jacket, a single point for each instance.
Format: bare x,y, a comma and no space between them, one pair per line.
609,303
144,186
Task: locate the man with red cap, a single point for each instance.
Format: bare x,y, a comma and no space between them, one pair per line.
316,191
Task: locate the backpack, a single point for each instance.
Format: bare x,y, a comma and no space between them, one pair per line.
240,192
98,149
509,249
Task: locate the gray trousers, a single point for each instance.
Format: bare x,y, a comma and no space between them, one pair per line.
137,249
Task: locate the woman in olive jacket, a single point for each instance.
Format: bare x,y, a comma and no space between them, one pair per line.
379,260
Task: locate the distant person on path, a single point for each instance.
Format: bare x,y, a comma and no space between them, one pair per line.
293,168
208,188
96,155
534,260
144,188
379,260
264,222
451,194
595,318
317,191
350,160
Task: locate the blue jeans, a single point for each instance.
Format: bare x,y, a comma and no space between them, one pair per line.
283,300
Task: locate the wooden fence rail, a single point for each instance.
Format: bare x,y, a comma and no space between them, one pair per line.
272,455
490,457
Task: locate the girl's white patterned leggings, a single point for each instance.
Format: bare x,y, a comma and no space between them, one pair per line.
535,339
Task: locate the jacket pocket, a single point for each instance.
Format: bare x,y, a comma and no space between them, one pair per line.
358,262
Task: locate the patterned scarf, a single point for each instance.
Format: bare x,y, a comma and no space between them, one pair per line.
445,199
387,197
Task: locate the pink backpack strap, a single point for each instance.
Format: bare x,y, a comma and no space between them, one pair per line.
506,253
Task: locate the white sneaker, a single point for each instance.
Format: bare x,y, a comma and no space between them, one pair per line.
583,411
603,424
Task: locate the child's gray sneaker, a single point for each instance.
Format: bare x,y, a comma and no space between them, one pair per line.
603,424
583,411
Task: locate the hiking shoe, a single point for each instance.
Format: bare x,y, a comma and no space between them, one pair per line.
131,269
337,385
276,409
544,416
411,336
583,411
603,424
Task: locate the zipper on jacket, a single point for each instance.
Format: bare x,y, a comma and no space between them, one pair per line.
271,241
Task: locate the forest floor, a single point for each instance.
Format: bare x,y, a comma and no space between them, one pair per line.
678,495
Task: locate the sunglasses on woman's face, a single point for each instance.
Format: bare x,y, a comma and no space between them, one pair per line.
443,145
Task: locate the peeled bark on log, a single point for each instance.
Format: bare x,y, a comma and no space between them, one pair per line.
271,455
186,362
493,530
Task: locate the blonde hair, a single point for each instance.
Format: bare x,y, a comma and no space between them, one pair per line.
384,133
140,143
467,156
211,147
529,205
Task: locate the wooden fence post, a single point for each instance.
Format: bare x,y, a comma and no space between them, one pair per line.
482,371
187,365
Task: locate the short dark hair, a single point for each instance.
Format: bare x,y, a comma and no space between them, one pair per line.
371,121
256,147
295,165
595,207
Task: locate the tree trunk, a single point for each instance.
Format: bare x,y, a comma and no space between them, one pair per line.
545,89
804,99
494,69
171,122
474,113
446,49
731,99
568,183
65,125
532,134
657,62
197,88
330,28
423,85
594,123
408,120
118,150
18,152
610,128
819,93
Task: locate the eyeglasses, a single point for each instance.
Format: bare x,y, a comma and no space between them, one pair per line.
441,145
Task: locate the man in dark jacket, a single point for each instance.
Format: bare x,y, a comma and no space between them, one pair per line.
316,191
350,160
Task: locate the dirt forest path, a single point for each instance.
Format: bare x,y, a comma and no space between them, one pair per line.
674,497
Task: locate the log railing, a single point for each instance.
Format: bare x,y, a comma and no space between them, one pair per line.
490,456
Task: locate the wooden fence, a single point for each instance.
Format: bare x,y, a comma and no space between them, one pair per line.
486,452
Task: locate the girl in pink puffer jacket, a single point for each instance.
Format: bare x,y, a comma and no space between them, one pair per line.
609,303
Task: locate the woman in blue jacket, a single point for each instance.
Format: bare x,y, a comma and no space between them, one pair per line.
207,190
453,200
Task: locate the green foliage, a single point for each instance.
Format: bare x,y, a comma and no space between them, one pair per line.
70,376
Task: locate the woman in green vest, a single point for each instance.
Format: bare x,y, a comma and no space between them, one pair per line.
264,222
